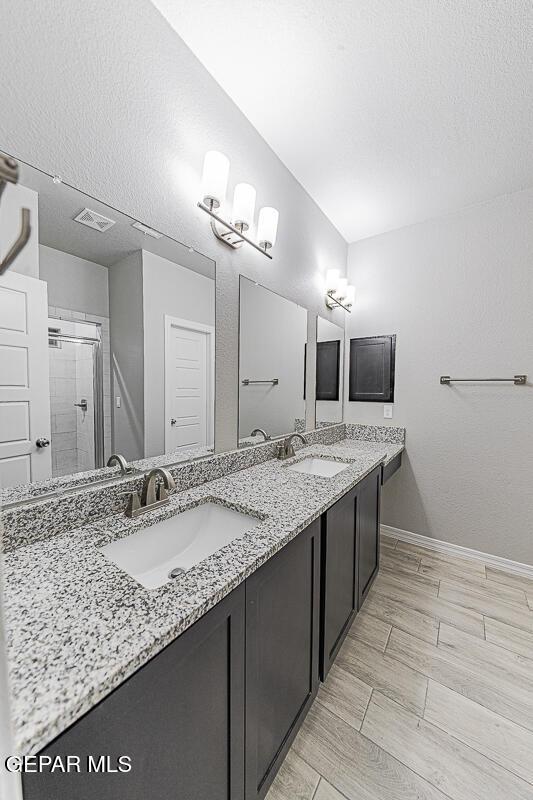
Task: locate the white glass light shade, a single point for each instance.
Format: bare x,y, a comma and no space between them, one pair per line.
350,296
215,178
342,286
267,227
332,279
243,206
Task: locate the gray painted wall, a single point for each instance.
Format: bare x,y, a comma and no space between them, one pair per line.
458,292
127,360
73,282
128,118
178,292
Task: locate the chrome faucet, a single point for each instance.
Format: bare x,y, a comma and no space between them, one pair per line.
153,494
116,458
286,449
262,432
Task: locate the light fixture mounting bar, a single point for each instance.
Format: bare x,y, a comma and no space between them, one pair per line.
233,229
332,303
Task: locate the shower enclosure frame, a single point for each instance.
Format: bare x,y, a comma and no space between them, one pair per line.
98,379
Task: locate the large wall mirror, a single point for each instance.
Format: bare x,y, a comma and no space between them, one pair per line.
107,333
272,347
329,372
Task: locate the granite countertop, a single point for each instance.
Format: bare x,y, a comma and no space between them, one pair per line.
77,626
78,480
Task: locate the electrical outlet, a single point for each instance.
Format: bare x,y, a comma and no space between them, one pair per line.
387,410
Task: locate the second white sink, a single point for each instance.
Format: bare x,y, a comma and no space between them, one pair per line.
178,543
324,467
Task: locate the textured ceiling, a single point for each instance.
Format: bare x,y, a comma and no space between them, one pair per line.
388,112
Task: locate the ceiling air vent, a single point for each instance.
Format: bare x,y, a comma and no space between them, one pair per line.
94,220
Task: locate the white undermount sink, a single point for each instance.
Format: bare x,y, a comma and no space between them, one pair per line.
324,467
178,543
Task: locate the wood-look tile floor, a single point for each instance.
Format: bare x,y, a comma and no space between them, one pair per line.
431,695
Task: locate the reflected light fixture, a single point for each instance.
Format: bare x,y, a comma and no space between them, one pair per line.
339,294
214,184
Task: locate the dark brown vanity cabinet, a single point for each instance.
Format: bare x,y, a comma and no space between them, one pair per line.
368,529
180,718
282,654
340,593
252,659
350,561
212,716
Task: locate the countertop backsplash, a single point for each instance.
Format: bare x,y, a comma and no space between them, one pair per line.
32,521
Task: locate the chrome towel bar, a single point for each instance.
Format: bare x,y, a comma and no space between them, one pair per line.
518,380
247,381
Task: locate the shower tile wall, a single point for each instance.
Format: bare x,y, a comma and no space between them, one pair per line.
72,430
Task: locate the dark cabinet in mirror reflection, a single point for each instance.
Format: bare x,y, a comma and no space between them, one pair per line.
327,370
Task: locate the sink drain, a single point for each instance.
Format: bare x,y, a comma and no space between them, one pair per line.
176,572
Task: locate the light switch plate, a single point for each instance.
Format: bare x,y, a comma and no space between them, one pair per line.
118,402
387,410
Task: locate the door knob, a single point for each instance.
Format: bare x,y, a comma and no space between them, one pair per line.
42,442
173,421
82,404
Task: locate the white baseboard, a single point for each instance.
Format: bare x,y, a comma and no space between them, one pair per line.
457,550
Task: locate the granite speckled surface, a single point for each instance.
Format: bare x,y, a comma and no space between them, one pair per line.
77,626
53,486
80,480
32,491
42,518
375,433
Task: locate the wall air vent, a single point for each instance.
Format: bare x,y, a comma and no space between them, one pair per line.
92,219
146,230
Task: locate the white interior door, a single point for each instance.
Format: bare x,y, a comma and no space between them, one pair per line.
189,368
24,380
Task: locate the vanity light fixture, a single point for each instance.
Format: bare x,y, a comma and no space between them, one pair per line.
214,184
267,227
339,294
215,178
243,206
342,286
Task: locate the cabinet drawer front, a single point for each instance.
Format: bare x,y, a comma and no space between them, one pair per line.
340,574
179,718
282,610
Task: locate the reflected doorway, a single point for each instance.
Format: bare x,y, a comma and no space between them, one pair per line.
76,396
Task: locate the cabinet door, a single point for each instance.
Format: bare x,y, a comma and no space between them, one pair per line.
372,369
368,512
180,718
339,576
282,632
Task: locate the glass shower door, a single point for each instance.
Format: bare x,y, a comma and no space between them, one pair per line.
76,396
